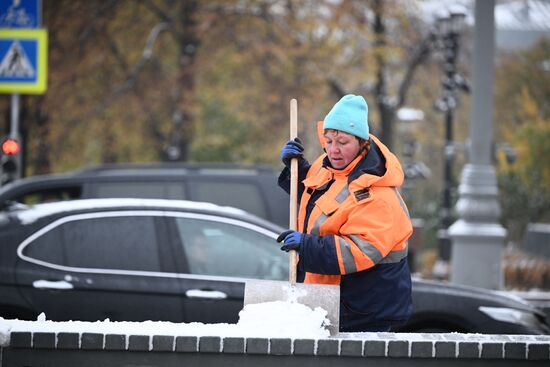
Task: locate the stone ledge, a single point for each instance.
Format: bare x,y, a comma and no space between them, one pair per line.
388,345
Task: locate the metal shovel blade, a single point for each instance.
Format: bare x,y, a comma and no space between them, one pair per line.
326,296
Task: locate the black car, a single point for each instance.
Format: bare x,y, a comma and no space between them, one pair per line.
182,261
249,187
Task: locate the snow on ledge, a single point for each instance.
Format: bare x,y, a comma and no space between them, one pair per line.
263,320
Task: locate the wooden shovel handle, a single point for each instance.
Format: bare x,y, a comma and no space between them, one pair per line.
293,189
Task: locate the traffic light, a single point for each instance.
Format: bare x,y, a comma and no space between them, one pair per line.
10,160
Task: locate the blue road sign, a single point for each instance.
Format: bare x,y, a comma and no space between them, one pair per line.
18,60
23,60
20,13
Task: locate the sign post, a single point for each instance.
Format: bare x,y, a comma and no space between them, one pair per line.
23,58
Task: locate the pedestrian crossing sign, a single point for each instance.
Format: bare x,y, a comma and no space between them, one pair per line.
23,60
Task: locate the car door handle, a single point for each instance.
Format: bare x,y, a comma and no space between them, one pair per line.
59,285
199,293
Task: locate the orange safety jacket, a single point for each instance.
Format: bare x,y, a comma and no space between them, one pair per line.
356,228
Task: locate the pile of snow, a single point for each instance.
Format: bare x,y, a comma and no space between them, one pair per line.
265,320
4,332
283,319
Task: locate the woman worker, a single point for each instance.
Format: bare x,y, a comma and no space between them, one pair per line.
353,225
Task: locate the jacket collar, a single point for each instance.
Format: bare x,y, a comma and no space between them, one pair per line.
374,163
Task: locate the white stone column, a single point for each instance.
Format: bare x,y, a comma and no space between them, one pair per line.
477,237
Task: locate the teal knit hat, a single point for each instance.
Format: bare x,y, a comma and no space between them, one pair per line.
350,114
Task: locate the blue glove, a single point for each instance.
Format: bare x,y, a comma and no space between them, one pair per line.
292,149
291,239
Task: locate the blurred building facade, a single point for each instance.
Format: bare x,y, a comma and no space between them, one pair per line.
521,23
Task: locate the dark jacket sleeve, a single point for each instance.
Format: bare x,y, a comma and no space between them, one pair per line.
284,177
318,255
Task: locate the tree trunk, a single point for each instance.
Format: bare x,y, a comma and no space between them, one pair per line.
183,130
385,110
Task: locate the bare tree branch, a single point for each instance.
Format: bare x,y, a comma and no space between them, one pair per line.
335,87
420,55
129,82
161,14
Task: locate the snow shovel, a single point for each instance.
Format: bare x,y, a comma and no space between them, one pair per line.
312,295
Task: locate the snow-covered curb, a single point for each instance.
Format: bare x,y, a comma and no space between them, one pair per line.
273,328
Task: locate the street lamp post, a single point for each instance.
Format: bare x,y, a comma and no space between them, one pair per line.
477,235
449,27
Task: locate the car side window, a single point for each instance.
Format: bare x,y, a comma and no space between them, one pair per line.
147,190
48,248
119,243
50,195
226,249
241,195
